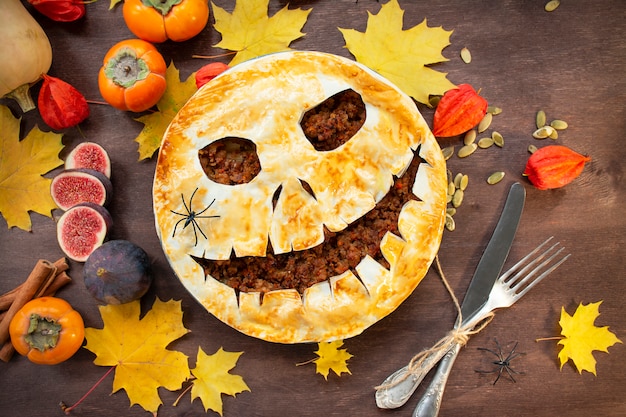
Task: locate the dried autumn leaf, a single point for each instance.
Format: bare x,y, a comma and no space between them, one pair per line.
250,32
331,357
176,95
400,55
213,378
582,337
22,166
137,348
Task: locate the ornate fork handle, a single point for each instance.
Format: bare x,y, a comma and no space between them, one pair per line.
394,394
429,404
396,390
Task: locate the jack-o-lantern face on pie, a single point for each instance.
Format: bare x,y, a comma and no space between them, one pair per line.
225,229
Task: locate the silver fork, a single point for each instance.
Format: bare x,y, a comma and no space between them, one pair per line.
509,288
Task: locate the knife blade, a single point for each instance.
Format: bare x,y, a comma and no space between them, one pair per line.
487,272
394,394
495,254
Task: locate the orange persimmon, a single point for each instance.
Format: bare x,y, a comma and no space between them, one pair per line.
47,330
132,76
160,20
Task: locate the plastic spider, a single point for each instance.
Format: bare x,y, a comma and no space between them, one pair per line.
190,217
503,363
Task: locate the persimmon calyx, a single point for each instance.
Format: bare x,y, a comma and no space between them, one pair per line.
163,6
43,333
125,68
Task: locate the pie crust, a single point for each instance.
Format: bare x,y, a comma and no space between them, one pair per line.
263,100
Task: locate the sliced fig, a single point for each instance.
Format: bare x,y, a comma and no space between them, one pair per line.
91,156
82,229
117,272
76,186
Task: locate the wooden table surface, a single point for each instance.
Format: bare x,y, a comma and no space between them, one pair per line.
571,63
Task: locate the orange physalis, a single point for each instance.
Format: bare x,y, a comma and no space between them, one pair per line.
459,110
61,105
554,166
60,10
208,72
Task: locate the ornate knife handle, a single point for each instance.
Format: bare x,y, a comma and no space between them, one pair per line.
396,391
429,404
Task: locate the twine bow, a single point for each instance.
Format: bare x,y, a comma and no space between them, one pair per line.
460,334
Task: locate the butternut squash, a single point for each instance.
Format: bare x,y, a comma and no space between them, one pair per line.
25,53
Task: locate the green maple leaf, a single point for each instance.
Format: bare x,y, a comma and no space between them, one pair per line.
400,55
176,95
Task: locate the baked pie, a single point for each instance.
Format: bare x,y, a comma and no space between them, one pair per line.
300,197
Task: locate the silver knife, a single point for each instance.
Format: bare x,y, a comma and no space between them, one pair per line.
392,395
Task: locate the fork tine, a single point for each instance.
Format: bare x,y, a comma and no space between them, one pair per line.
504,277
542,276
523,273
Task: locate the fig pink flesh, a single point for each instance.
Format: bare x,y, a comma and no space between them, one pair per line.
80,231
75,188
89,155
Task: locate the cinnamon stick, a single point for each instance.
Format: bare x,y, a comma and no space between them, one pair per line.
60,279
6,351
41,273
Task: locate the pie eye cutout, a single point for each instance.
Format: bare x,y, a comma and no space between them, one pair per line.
334,121
230,161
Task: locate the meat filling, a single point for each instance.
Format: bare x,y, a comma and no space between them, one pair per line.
332,123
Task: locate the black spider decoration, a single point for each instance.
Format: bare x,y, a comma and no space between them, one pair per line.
503,364
190,217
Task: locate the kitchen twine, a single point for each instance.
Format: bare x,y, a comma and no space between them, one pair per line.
458,335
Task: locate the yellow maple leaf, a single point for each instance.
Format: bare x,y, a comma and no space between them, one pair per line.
137,349
252,33
176,95
582,337
22,166
400,55
331,357
213,378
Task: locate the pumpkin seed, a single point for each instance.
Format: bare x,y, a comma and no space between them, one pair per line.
457,180
434,101
485,143
552,5
447,152
532,148
498,139
495,178
451,211
449,198
451,188
467,150
559,124
485,122
540,119
543,132
464,182
457,198
450,225
469,137
494,110
466,55
554,134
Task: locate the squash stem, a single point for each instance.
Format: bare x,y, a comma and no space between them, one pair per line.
22,95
